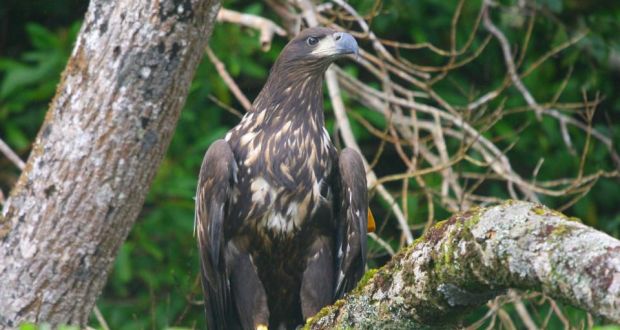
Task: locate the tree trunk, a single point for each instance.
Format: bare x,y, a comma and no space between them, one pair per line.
96,154
463,262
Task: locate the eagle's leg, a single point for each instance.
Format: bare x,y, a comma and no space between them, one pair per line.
247,289
317,290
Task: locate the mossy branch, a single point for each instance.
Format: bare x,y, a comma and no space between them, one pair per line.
476,255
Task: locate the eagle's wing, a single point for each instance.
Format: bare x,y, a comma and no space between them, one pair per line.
352,221
217,176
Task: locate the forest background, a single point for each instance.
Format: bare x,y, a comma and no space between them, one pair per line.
154,284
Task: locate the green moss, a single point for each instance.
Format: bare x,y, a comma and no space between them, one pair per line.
558,214
452,267
440,224
446,267
560,230
574,219
364,280
323,312
542,210
539,210
473,219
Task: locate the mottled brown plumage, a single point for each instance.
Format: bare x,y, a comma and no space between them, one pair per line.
280,216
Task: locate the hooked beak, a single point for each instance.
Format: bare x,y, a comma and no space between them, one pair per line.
335,45
345,43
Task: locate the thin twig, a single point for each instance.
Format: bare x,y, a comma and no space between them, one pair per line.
228,80
382,243
510,64
225,106
496,159
522,311
100,319
349,140
11,155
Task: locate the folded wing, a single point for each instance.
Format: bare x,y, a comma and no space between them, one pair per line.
352,221
217,176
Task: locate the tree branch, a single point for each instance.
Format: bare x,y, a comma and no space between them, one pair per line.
470,258
510,64
266,27
228,80
93,161
11,155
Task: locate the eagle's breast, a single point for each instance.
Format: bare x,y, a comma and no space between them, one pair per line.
284,168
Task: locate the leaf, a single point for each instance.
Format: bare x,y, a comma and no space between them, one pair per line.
122,266
42,38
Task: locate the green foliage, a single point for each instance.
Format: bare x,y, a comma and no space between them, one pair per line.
28,83
154,282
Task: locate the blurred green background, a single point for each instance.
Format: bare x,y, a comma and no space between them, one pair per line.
154,283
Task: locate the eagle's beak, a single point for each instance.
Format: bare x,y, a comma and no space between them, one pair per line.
345,43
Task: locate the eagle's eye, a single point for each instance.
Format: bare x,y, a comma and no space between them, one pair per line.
312,41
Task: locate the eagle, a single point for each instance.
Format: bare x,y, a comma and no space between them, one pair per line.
281,216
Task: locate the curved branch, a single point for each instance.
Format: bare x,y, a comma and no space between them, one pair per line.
266,27
509,61
463,262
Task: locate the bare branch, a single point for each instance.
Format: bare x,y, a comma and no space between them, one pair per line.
522,311
102,322
228,80
347,135
266,27
382,243
11,155
510,64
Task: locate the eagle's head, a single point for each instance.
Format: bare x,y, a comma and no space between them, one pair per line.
315,48
295,81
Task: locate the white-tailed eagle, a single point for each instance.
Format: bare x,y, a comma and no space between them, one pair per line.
281,216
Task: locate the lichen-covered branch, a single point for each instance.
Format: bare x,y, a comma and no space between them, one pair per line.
96,154
470,258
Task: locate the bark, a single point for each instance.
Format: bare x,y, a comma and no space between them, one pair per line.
463,262
94,158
